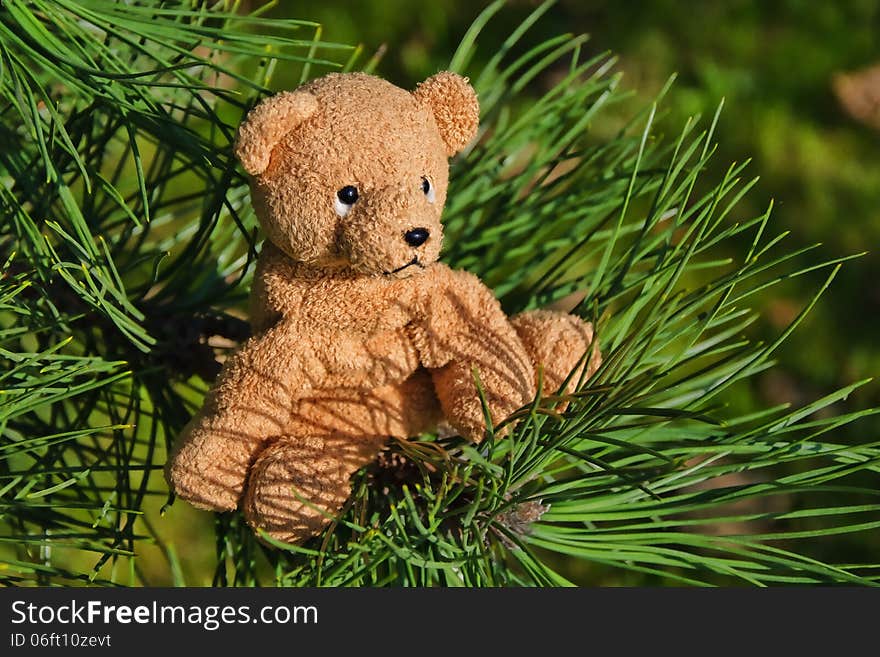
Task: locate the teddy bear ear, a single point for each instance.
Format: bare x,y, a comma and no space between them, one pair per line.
267,124
453,102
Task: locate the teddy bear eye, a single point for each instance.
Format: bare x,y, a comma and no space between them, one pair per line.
348,194
428,189
345,198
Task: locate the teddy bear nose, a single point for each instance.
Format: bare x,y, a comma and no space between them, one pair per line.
416,236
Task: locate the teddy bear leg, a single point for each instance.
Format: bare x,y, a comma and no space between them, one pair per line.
208,468
557,342
298,484
301,481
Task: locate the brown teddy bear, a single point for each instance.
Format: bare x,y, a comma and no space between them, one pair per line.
359,333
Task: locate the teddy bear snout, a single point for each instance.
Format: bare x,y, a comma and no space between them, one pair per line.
394,230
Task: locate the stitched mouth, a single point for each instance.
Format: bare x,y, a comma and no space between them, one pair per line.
414,261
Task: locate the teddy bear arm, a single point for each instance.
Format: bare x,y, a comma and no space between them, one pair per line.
464,337
562,347
264,310
276,292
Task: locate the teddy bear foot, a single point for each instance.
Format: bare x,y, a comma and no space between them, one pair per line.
298,485
208,470
557,342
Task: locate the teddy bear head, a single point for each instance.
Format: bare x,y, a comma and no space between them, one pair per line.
351,172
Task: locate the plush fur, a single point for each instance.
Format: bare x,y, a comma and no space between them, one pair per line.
359,335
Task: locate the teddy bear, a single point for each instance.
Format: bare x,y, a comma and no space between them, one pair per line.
359,333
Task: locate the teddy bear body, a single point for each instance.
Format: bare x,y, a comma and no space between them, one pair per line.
359,333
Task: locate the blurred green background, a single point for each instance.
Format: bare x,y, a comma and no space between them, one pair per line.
779,67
